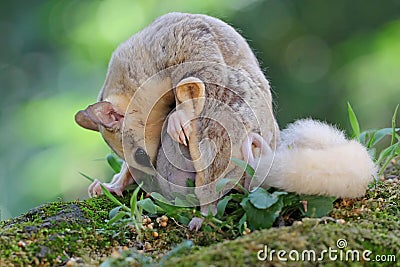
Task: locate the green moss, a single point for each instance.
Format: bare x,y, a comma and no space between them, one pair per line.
370,223
55,232
52,233
243,251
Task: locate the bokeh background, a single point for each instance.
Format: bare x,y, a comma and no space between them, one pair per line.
53,58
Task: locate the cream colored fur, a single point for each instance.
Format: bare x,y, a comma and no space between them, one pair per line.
315,158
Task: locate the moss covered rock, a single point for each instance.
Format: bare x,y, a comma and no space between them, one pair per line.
77,234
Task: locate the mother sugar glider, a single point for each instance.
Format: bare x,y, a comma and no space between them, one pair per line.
201,71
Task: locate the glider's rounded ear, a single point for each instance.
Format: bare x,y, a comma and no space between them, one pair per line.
101,113
83,119
191,89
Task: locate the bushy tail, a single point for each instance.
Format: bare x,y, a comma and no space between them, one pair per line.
315,158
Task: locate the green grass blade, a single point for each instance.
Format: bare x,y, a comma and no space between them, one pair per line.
242,223
394,126
87,177
354,122
390,153
112,198
371,141
134,200
139,211
117,217
248,169
379,135
221,205
387,152
114,212
113,162
366,138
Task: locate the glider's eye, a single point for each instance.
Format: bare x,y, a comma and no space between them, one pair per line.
142,158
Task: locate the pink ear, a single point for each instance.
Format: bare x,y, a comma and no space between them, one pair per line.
101,113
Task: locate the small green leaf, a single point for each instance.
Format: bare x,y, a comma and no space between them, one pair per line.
114,163
190,183
192,199
261,199
181,202
261,218
386,152
159,197
87,177
379,135
221,183
221,206
177,195
246,167
354,122
183,219
184,200
113,212
164,203
387,155
317,206
117,217
148,205
242,221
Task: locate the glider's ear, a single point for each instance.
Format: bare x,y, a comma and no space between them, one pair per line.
101,113
191,89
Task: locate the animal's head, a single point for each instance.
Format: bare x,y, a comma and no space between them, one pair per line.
132,107
109,117
123,131
130,119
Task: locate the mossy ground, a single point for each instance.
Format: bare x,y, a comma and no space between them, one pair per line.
370,223
76,234
51,234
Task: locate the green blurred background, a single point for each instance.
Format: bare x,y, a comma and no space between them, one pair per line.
53,58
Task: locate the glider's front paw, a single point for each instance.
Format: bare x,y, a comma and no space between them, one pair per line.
179,127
